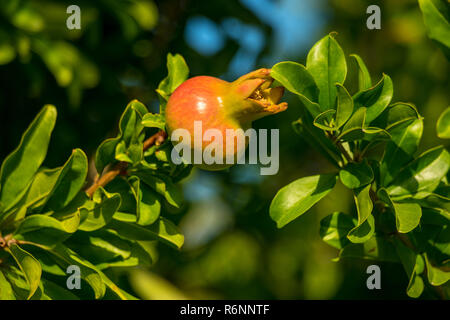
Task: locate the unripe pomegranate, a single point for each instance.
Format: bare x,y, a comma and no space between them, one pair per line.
222,105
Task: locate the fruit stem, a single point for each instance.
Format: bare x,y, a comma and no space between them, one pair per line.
120,167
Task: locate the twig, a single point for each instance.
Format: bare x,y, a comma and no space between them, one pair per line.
344,151
120,168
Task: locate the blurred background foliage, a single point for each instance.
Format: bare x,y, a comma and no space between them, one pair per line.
233,249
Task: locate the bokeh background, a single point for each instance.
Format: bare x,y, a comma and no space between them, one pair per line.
233,249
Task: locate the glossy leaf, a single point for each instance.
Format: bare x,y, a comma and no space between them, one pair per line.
6,289
178,72
326,63
375,99
436,23
344,106
356,175
130,129
296,78
97,213
407,215
353,129
436,276
443,125
164,186
365,227
377,248
364,80
39,222
405,139
414,265
423,174
89,273
299,196
30,267
154,121
325,121
162,230
149,208
70,181
396,114
334,229
20,166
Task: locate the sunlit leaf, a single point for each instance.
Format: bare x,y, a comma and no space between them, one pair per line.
443,125
299,196
335,227
326,63
438,27
375,99
414,265
30,267
423,174
407,214
20,166
405,139
365,227
364,80
162,230
296,78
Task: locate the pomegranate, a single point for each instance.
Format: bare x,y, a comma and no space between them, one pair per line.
217,104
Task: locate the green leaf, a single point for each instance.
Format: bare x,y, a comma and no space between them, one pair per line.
101,245
296,78
30,267
375,99
356,175
299,196
396,114
19,168
130,131
6,290
154,121
325,121
178,72
162,230
436,276
423,174
364,80
407,215
334,229
326,63
405,139
89,273
414,265
138,257
365,227
164,186
97,213
353,129
148,206
377,248
443,125
46,230
344,106
70,181
39,222
436,23
41,188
